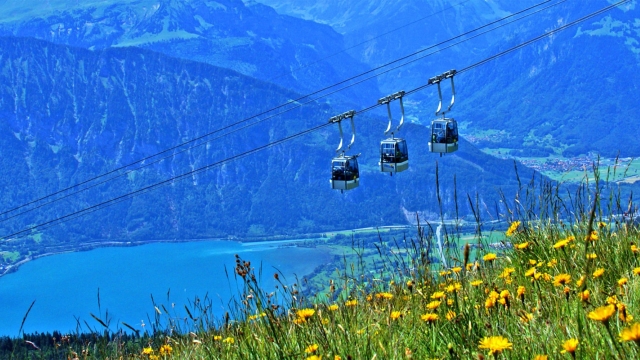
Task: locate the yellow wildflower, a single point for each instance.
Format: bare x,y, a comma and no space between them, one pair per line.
570,346
512,228
489,257
333,307
603,313
580,281
433,305
634,248
314,357
451,315
561,279
584,295
623,281
456,269
453,287
165,349
532,262
438,295
612,300
147,351
592,256
522,246
229,340
526,317
445,272
602,224
541,357
552,263
384,295
429,317
217,337
530,272
521,291
636,271
632,333
395,315
479,282
506,272
495,344
311,348
353,302
593,236
450,302
598,273
560,244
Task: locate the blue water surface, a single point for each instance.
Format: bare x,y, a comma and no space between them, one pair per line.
65,287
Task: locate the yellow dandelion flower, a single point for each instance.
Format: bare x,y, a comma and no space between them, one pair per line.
601,224
552,263
634,248
532,262
337,357
489,303
560,244
314,357
603,313
395,315
526,317
521,291
453,287
438,295
165,349
570,346
489,257
546,277
592,256
445,272
384,295
450,302
636,271
631,333
530,272
476,283
561,279
495,344
612,300
429,317
353,302
311,348
305,313
506,272
154,357
571,238
512,228
522,246
433,305
580,281
584,295
333,307
147,351
229,340
456,269
541,357
217,337
504,294
299,321
598,273
450,315
623,281
593,236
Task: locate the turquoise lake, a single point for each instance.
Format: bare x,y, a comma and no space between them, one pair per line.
65,286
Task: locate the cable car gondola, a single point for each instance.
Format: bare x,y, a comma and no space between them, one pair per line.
444,131
394,156
345,174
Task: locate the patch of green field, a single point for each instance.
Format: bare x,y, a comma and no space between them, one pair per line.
10,256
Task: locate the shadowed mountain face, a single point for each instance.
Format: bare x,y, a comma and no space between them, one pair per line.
69,114
556,96
251,39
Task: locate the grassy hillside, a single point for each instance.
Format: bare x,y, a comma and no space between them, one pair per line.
560,286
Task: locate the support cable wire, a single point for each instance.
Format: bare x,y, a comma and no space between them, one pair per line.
298,105
104,204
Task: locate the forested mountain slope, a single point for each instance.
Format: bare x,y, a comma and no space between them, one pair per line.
69,114
569,94
251,39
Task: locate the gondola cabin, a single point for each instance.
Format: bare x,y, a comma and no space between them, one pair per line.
345,174
394,156
444,136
